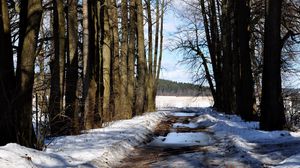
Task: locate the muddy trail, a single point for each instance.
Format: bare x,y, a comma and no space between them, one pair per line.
178,142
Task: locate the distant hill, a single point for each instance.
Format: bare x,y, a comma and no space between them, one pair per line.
171,88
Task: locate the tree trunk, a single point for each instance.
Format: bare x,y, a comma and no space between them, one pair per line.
227,86
245,98
107,115
272,109
100,88
161,34
116,82
150,104
90,105
125,104
30,18
131,54
157,25
58,71
141,61
85,26
7,79
213,41
72,109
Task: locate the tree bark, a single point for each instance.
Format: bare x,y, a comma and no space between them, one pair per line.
7,79
150,104
91,81
245,97
161,34
107,115
72,108
141,61
226,31
30,18
85,26
116,82
56,109
125,104
131,54
272,109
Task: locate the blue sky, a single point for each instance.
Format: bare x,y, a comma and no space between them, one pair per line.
171,69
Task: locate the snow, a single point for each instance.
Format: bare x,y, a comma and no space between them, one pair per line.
94,148
293,161
105,147
273,148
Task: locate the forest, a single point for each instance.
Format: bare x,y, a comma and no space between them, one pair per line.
171,88
73,65
76,63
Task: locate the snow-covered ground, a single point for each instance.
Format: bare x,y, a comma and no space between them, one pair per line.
107,146
94,148
248,144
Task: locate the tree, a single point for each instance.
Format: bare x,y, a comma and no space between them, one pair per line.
16,90
131,54
245,89
57,66
212,34
72,107
150,106
154,59
272,109
116,81
91,65
30,18
141,61
126,112
106,53
7,79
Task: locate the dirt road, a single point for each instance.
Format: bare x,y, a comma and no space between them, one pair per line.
178,142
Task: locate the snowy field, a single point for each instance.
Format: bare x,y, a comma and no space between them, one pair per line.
180,102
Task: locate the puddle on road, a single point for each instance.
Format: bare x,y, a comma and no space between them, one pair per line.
175,140
182,114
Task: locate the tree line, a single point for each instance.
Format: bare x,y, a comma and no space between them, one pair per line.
88,63
171,88
241,48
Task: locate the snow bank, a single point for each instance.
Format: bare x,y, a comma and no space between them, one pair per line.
180,102
95,148
293,161
265,146
232,125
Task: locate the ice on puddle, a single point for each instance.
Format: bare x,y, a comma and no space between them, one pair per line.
174,139
181,114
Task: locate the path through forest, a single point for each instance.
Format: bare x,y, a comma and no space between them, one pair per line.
181,141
